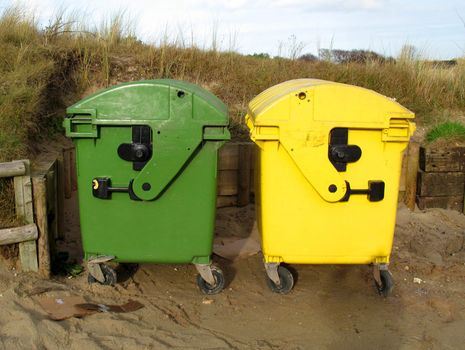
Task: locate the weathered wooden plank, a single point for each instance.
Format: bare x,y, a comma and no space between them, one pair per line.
46,167
18,234
401,197
24,210
49,178
252,180
11,169
445,202
254,158
52,203
243,175
226,201
60,192
411,171
228,157
73,170
68,186
227,182
442,160
403,170
440,184
39,184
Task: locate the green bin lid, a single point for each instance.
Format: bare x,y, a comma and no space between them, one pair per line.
153,100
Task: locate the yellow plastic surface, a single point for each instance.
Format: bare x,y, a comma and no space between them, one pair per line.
300,220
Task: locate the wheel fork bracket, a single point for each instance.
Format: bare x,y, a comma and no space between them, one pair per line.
93,266
205,271
272,272
376,272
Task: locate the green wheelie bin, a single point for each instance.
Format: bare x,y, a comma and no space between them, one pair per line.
146,160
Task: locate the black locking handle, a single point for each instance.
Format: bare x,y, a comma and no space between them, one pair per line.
102,189
375,191
339,151
139,151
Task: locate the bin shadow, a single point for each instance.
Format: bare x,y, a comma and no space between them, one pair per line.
227,266
236,237
67,247
350,306
125,271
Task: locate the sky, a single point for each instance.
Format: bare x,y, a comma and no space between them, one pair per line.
436,28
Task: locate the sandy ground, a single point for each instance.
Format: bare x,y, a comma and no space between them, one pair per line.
331,307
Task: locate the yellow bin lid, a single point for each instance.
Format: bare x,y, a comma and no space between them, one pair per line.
301,113
324,102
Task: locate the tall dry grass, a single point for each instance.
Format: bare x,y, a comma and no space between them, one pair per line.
45,69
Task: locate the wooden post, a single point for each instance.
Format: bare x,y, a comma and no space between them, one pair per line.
40,205
243,178
24,210
18,234
411,175
11,169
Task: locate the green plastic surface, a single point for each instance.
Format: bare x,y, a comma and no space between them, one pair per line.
174,220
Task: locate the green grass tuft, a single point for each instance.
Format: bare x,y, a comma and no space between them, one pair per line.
447,131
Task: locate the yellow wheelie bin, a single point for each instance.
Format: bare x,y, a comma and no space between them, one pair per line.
327,176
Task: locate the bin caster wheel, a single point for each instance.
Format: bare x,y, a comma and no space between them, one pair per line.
387,283
286,278
209,289
108,273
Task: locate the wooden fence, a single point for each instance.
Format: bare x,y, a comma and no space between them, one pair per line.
27,234
441,178
37,208
235,174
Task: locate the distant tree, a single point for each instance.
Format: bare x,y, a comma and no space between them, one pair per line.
349,56
308,57
260,55
442,63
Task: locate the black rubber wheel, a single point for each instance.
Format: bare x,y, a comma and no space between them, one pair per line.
286,278
209,289
387,283
108,273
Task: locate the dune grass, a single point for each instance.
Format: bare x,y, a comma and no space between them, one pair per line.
43,70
